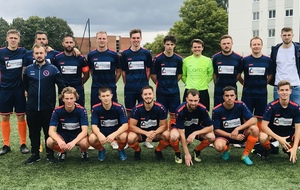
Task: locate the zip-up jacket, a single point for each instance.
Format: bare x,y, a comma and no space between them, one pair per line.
274,51
39,82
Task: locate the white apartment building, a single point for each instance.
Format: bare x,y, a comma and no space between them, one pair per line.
263,18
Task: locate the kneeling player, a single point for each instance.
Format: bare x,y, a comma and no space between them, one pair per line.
148,122
234,123
192,122
68,126
109,123
281,121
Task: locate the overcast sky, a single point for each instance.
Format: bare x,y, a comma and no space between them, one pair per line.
117,17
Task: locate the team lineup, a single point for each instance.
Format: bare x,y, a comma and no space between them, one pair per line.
29,80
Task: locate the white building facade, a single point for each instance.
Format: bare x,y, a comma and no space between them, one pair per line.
263,18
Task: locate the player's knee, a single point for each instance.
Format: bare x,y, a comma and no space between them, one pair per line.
263,137
132,138
50,142
254,131
210,137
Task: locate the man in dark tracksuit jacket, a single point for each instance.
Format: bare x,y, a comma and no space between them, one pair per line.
286,60
39,81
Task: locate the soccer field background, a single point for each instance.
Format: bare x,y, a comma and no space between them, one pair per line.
211,173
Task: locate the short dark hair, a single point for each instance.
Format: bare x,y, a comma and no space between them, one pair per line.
193,92
171,38
69,36
146,87
134,31
283,83
104,89
286,29
256,38
198,41
39,32
228,88
225,37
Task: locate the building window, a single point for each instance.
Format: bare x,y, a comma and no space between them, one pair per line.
272,13
255,33
271,33
289,12
254,1
256,16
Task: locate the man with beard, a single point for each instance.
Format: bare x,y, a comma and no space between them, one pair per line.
227,68
39,81
74,69
234,123
281,121
192,122
148,122
12,90
69,126
286,59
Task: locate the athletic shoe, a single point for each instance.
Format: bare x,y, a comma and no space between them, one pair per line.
266,154
178,158
122,155
33,158
197,157
126,146
61,156
114,145
226,155
5,149
247,160
101,155
148,145
237,145
84,156
24,149
286,152
91,148
158,155
137,155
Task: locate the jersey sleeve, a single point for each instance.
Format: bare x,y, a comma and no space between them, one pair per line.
94,117
54,119
122,115
83,117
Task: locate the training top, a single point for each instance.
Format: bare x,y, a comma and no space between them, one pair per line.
134,63
69,122
256,71
11,68
197,72
167,70
108,120
149,120
190,120
226,68
39,82
29,59
282,120
103,66
71,68
228,120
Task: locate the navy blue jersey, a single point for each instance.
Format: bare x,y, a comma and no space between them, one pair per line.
108,120
189,120
71,68
226,68
103,66
256,71
149,120
134,63
28,59
69,122
282,120
167,70
228,120
11,68
39,82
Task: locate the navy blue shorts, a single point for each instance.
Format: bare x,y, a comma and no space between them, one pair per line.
11,99
68,137
132,98
170,102
257,106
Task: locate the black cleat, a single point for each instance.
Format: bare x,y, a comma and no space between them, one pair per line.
266,154
158,155
286,152
33,158
61,156
24,149
51,158
5,149
137,155
84,156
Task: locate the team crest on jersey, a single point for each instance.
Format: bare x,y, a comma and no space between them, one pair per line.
46,73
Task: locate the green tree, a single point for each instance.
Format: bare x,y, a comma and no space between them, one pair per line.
4,26
55,27
200,19
157,46
223,4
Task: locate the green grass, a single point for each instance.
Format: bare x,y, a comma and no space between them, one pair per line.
211,173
